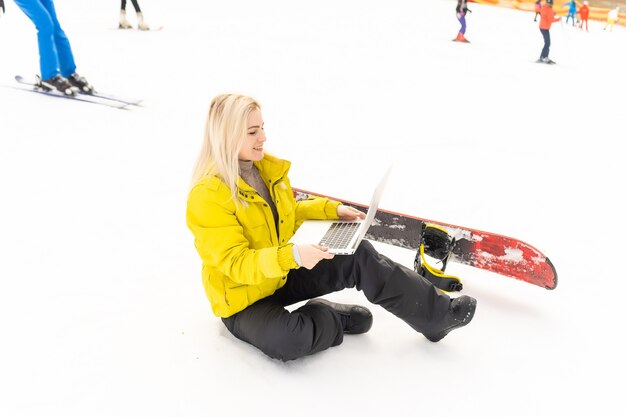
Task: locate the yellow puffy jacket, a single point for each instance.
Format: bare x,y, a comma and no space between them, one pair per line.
243,257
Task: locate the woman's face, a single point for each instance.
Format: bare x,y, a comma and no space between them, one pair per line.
252,149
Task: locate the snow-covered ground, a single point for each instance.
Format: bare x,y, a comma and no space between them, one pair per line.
102,311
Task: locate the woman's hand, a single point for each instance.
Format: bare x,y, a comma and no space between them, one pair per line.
310,255
349,213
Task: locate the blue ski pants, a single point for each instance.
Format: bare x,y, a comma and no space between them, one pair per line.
55,53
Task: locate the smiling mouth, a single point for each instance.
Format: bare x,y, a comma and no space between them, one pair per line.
260,148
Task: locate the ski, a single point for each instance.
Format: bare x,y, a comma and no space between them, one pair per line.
105,96
503,255
548,62
151,29
34,87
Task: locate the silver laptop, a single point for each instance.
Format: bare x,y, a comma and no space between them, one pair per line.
342,237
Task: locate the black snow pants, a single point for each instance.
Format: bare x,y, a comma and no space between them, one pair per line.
286,335
546,43
135,5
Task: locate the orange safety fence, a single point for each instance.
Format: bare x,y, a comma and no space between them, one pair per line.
561,7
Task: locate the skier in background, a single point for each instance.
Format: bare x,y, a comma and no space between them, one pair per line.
251,273
547,18
537,9
584,15
571,12
125,24
611,18
56,61
461,11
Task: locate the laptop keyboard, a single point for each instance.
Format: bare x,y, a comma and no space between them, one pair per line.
339,235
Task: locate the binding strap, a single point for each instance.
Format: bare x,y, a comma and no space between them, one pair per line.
436,243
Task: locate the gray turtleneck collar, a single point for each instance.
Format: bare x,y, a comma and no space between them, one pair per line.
251,175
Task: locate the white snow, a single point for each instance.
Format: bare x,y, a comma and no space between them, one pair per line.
512,254
102,311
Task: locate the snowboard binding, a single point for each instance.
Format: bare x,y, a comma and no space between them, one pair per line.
436,243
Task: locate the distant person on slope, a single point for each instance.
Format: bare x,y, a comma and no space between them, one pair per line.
611,18
547,18
56,61
125,24
571,12
461,11
584,15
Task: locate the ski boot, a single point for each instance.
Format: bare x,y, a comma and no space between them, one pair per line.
460,313
545,60
460,38
124,23
58,83
81,83
436,243
141,25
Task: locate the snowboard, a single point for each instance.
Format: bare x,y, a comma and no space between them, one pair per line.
493,252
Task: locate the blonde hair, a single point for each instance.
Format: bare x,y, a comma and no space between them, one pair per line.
224,134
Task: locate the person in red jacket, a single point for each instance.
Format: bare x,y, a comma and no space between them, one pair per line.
584,16
547,18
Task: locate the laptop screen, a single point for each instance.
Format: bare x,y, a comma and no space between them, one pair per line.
371,212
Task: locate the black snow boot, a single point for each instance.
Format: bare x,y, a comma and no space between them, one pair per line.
80,82
58,83
355,319
460,313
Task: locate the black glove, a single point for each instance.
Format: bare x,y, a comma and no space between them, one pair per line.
2,6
